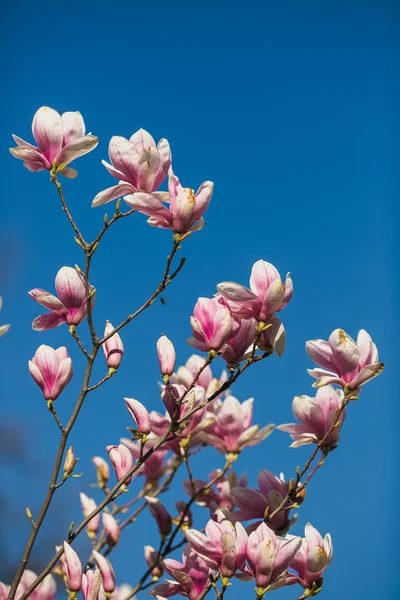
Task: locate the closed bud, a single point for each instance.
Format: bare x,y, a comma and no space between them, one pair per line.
113,347
152,559
91,581
88,506
161,515
111,529
166,355
139,414
73,568
107,572
122,461
70,462
103,470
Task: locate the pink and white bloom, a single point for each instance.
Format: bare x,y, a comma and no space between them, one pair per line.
266,296
73,568
106,570
311,560
183,211
240,344
3,328
69,307
222,547
268,557
111,529
102,469
257,504
46,590
166,355
113,347
60,138
139,414
191,576
349,363
138,163
88,506
161,515
122,461
232,429
316,416
212,325
51,369
91,581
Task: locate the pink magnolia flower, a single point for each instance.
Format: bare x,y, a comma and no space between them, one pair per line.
190,371
153,561
220,495
102,470
257,504
311,560
155,466
111,529
51,369
113,347
240,344
268,557
3,328
191,576
266,296
139,414
166,355
91,581
232,430
222,547
122,461
60,138
161,515
350,363
138,163
106,570
212,325
316,416
69,307
185,210
88,506
73,567
46,590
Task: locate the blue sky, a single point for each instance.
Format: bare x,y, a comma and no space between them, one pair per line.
292,110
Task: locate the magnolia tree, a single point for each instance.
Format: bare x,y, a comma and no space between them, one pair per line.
244,532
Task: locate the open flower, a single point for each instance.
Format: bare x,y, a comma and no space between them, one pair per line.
3,328
316,416
350,363
60,138
51,369
212,325
69,307
266,295
185,210
138,163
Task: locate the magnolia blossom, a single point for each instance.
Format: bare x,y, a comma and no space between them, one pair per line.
60,139
91,581
220,495
161,515
138,163
266,295
350,363
311,560
73,568
268,557
166,355
69,307
111,529
240,344
113,347
139,414
51,369
46,590
88,506
212,325
3,328
191,576
231,429
222,547
194,369
121,460
257,504
185,208
317,416
153,561
106,571
102,470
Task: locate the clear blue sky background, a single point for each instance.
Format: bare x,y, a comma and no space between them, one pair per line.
292,109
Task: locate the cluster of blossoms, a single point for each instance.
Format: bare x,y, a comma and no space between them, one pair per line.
238,325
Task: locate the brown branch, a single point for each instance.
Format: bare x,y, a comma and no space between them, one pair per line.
54,179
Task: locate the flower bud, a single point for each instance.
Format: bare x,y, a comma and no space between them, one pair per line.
107,572
70,462
103,470
139,414
161,515
121,460
74,568
166,355
51,369
111,529
91,581
113,347
88,506
152,559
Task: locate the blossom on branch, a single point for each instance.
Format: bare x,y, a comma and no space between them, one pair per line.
60,139
51,369
69,307
212,325
122,461
138,163
113,348
349,363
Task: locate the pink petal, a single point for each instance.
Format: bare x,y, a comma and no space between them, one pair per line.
112,193
69,173
48,132
47,300
148,205
321,353
31,156
262,275
73,126
76,148
70,288
203,198
47,321
366,374
141,140
345,351
236,292
124,157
